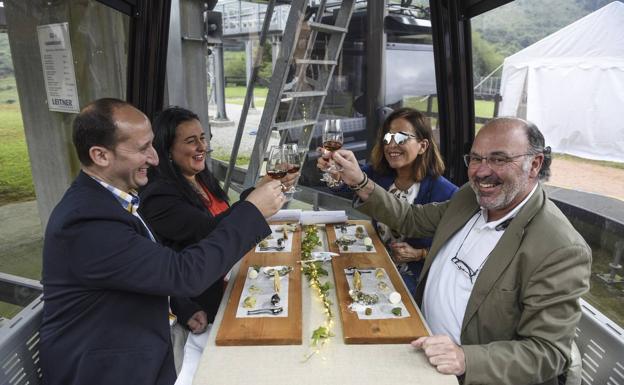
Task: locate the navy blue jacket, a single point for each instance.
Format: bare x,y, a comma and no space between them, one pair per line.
105,287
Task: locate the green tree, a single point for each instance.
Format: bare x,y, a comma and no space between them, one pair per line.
234,63
485,56
516,25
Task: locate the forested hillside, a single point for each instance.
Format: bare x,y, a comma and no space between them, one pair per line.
514,26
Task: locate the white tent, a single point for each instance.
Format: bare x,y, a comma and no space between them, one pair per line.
571,84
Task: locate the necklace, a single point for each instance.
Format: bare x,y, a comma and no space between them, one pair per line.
460,264
398,184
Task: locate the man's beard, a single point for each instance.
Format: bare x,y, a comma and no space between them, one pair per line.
508,193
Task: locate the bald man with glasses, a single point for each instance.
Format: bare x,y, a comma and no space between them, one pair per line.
500,287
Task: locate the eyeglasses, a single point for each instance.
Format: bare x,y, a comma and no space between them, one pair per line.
495,161
463,266
399,137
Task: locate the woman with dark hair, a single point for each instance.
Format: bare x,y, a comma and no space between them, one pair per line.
183,202
406,161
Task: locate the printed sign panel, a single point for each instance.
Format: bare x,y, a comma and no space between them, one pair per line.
58,67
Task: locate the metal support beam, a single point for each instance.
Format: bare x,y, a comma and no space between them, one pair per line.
249,43
101,53
175,75
375,67
219,90
453,65
276,42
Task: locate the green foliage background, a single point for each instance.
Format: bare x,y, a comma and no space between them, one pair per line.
234,65
516,25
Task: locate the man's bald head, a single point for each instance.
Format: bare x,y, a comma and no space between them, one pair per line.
535,143
96,125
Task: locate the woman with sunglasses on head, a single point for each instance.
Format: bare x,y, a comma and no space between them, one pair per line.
406,161
182,203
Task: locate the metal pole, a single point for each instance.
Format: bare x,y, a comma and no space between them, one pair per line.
219,74
175,79
276,41
375,69
249,66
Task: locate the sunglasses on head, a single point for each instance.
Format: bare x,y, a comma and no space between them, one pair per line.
399,137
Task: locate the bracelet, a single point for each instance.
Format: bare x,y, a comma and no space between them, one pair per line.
360,185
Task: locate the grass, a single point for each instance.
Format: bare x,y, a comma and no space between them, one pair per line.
223,155
236,95
15,176
8,90
483,108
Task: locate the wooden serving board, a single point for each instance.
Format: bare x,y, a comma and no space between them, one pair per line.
378,331
265,330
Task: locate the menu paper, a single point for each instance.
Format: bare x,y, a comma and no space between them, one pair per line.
315,217
285,216
58,67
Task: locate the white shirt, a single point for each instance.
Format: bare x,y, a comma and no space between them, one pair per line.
448,287
387,235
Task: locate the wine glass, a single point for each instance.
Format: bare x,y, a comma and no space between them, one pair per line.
332,141
294,156
277,164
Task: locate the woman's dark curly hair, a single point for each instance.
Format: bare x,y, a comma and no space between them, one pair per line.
165,127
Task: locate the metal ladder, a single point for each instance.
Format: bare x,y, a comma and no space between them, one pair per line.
296,103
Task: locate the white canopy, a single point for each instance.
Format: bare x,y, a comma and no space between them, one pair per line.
571,84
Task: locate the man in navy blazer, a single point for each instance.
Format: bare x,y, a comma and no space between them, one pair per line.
105,278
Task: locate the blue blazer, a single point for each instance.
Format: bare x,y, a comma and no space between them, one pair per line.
431,189
105,287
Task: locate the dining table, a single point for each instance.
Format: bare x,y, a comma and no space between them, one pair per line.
334,360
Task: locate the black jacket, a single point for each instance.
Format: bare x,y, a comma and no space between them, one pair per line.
177,223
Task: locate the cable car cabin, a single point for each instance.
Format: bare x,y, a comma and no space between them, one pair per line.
266,73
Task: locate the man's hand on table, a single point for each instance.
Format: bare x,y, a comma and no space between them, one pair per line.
198,322
443,353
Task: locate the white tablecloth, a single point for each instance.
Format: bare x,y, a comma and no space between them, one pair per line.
337,363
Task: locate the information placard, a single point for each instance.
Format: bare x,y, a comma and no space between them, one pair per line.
58,67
